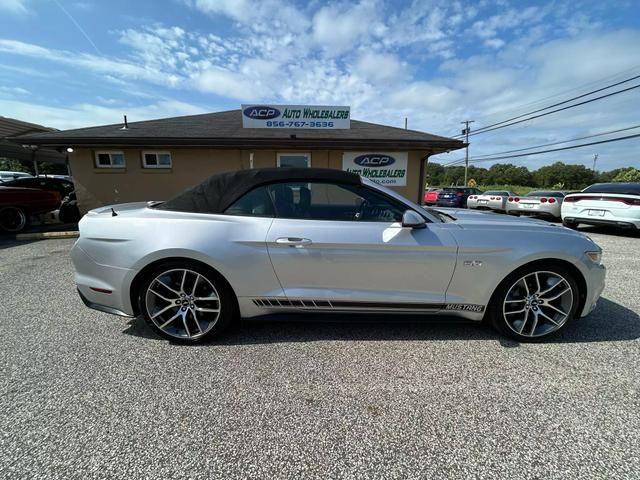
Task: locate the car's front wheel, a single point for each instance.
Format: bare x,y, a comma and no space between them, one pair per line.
534,302
186,302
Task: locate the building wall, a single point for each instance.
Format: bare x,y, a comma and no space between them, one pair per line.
103,186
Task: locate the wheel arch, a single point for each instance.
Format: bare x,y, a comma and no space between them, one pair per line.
577,275
144,272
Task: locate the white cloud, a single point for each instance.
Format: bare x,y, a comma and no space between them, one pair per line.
93,63
380,67
257,14
86,114
424,95
339,28
227,84
14,6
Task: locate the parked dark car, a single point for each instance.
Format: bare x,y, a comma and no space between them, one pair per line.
60,185
18,204
456,196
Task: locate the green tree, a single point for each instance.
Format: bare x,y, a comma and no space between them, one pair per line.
628,175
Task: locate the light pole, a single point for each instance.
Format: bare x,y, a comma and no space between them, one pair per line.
465,132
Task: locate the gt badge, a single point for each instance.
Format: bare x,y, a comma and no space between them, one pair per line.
472,263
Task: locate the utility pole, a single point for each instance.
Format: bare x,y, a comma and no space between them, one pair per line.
465,132
595,157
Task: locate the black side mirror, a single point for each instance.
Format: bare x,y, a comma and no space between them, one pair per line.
411,219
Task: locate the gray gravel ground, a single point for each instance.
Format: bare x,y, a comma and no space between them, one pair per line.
87,395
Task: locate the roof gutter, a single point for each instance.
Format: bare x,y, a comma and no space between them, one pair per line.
324,143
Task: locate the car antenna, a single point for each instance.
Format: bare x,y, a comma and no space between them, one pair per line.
113,212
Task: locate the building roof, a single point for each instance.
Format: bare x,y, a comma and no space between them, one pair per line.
10,127
224,130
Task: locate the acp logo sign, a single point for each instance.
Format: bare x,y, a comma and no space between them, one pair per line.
374,160
261,112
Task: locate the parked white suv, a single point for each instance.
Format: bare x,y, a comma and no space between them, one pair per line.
613,204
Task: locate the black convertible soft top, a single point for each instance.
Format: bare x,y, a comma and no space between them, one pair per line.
216,193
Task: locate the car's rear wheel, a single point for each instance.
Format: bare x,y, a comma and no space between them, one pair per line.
186,302
535,302
571,225
13,219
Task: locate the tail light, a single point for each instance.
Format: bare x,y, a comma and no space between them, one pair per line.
472,197
552,200
626,201
498,198
543,200
459,194
517,199
510,199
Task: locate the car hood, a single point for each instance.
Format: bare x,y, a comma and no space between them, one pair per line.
480,219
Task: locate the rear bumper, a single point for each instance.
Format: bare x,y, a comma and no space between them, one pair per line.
445,203
90,275
102,308
622,223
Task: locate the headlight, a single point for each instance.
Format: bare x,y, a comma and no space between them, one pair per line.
596,257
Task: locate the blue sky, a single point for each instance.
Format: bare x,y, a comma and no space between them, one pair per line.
67,63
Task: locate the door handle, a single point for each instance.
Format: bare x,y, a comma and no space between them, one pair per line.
293,241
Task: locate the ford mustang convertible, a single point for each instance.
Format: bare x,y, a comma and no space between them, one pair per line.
265,241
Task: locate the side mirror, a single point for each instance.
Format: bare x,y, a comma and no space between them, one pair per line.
411,219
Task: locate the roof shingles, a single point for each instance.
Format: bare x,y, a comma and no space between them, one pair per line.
225,129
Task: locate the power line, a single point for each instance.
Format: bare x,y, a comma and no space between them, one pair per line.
617,139
476,132
532,104
492,155
559,142
495,126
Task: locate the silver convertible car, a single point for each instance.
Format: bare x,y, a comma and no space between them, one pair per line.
264,241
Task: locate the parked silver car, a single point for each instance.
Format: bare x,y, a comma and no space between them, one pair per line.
266,241
491,200
539,203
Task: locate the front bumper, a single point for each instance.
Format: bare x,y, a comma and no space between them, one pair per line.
595,279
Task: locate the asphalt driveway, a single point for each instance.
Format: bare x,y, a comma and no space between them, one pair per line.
87,395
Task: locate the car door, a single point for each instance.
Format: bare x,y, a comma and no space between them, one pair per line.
346,245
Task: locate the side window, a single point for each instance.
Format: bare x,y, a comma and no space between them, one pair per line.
326,201
255,203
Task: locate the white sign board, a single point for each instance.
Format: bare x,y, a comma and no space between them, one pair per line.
313,117
386,168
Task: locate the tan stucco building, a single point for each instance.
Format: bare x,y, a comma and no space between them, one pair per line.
154,160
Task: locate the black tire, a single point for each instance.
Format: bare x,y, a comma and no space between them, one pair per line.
13,219
495,312
571,225
227,302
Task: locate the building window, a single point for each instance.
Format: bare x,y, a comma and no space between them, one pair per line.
156,159
110,160
299,160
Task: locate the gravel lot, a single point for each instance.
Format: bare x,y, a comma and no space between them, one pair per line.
87,395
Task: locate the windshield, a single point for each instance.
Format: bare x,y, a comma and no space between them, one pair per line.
545,194
622,188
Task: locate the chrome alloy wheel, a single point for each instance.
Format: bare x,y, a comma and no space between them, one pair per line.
183,303
538,303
